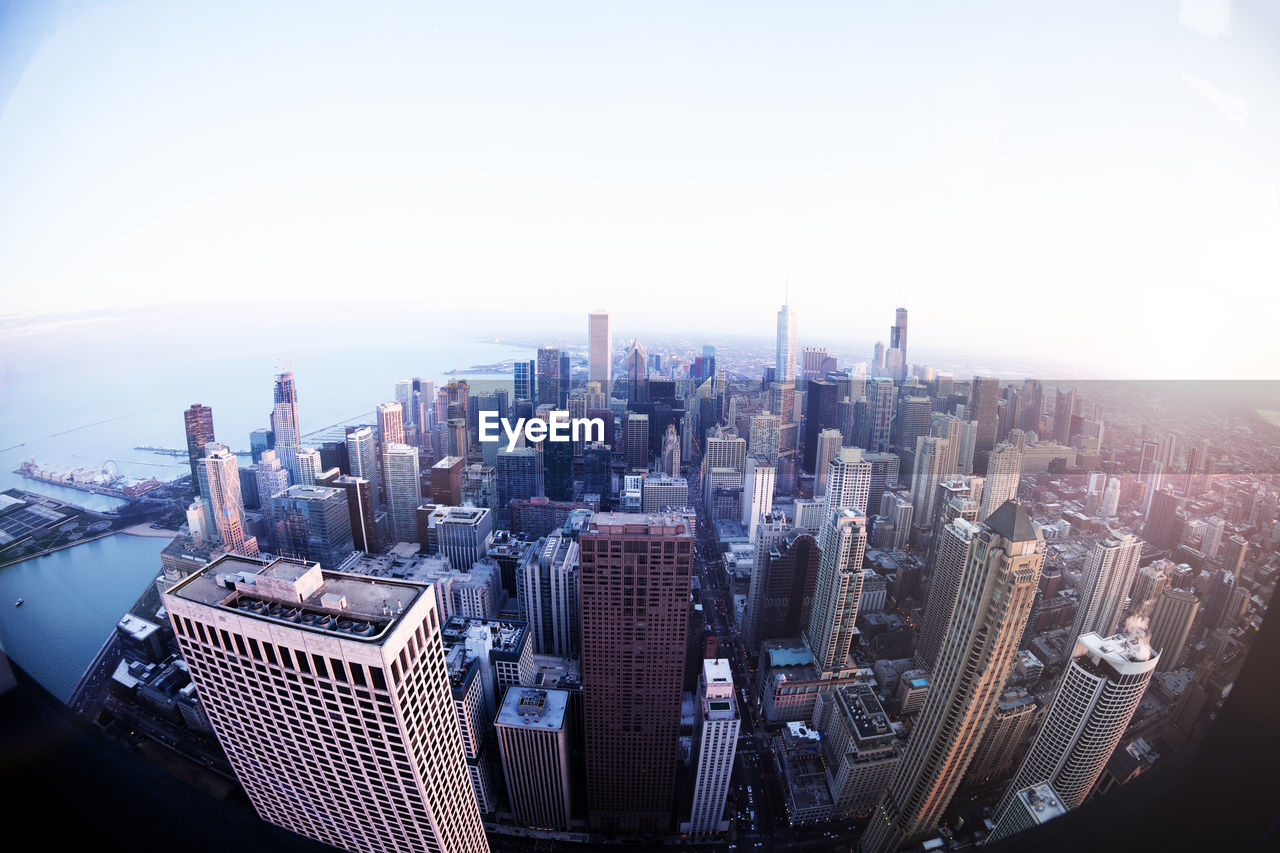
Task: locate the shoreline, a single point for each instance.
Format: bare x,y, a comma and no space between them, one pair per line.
145,529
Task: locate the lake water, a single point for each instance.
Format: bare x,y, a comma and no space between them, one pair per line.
72,600
81,393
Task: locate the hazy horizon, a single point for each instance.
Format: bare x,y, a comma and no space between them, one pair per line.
1094,184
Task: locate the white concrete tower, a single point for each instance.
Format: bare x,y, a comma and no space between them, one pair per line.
716,739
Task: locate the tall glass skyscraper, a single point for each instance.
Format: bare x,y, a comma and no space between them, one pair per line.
785,359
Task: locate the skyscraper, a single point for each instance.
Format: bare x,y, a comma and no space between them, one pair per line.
884,471
548,376
996,593
848,482
757,492
880,399
986,391
812,363
1234,550
780,597
1217,599
534,738
1099,693
1004,469
952,556
838,590
636,448
315,525
284,422
404,491
658,491
260,440
360,508
1005,740
463,534
723,451
1032,405
222,472
860,748
898,341
307,466
390,423
820,414
600,351
764,437
523,383
305,703
637,373
785,360
635,572
1108,575
715,741
933,456
829,443
519,474
912,421
1111,498
199,425
1171,618
1161,527
671,452
547,578
1063,409
362,457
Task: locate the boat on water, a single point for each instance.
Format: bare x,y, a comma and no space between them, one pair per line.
18,603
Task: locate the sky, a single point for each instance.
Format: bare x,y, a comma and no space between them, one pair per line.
1095,181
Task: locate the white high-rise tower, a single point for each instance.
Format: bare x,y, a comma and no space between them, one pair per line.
404,491
848,482
757,493
225,500
1108,575
838,590
1100,691
1004,468
716,739
329,694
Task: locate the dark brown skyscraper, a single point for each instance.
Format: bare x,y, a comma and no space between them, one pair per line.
790,575
364,529
983,399
635,573
199,421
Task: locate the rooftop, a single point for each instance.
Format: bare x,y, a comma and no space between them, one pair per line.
300,595
863,712
1042,802
506,634
1128,655
645,523
798,656
1012,522
137,627
529,707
